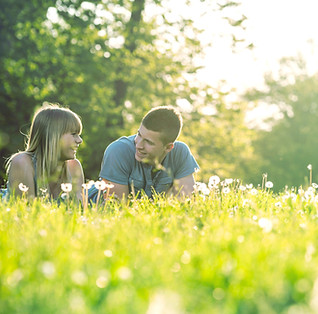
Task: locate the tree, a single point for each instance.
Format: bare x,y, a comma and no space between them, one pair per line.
219,138
286,150
106,60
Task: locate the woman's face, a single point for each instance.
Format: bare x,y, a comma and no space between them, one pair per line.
69,143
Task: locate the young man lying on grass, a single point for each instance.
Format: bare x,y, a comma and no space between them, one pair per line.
151,160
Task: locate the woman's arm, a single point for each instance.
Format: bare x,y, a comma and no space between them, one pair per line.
77,176
21,171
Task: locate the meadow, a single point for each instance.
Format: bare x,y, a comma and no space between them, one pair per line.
231,248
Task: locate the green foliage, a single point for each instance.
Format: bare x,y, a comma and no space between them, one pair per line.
286,150
103,59
243,251
220,140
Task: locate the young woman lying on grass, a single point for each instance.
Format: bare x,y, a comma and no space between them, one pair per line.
50,155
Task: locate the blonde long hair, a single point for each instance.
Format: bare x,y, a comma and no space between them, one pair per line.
49,123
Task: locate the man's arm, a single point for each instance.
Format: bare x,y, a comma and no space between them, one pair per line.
183,186
118,190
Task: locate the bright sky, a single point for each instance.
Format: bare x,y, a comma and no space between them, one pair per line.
277,28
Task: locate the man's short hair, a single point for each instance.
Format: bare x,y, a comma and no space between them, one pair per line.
164,119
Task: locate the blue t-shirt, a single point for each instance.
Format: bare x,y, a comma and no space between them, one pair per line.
120,166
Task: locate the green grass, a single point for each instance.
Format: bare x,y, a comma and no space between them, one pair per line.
223,253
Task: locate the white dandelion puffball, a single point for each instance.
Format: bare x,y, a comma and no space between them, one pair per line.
66,187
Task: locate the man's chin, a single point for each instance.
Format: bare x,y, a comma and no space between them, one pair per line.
138,158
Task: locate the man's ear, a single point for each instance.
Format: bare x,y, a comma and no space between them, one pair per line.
169,147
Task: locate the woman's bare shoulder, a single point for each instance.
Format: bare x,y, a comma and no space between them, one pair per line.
74,166
21,159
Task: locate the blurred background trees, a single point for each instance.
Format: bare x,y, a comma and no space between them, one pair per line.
111,61
290,144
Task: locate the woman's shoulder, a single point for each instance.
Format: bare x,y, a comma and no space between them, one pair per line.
74,166
21,159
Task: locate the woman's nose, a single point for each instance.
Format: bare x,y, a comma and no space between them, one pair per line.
79,140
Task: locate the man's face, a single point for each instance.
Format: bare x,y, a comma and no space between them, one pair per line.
149,147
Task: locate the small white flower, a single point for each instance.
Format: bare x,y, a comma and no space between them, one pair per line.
23,187
103,279
48,269
124,273
265,224
269,184
88,185
315,185
100,185
228,181
202,187
242,187
109,185
66,187
108,253
226,190
300,191
249,186
309,167
213,181
253,191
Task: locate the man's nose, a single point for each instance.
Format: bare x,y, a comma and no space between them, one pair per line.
139,142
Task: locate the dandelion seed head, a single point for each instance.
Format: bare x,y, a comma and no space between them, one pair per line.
242,187
226,190
246,202
314,185
157,241
102,279
228,181
269,184
124,273
66,187
164,301
48,269
265,224
101,282
109,185
214,180
43,233
23,188
79,277
240,239
100,185
253,191
88,185
185,257
309,167
15,277
108,253
218,294
311,189
77,303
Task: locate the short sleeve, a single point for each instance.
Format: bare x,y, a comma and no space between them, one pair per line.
117,162
183,161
